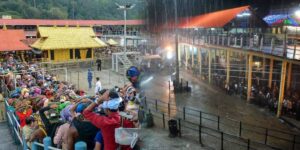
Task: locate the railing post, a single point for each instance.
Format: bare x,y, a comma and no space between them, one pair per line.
294,142
80,146
24,143
200,132
179,126
156,104
183,113
222,141
33,146
200,117
266,136
163,118
169,110
248,144
47,143
261,44
218,122
240,133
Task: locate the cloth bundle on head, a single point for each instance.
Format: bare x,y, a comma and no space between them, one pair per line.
66,113
112,104
80,107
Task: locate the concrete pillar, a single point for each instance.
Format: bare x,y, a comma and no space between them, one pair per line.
200,61
179,54
228,65
186,49
250,65
271,73
113,62
289,76
282,87
263,68
193,48
209,66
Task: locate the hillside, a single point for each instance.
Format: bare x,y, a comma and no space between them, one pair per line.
69,9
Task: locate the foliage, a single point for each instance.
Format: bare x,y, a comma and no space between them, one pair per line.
69,9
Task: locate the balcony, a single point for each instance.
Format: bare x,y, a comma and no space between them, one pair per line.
272,44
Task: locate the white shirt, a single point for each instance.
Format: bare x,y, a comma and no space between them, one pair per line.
98,87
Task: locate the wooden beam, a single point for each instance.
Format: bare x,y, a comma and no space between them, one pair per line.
271,73
249,89
227,66
289,76
282,87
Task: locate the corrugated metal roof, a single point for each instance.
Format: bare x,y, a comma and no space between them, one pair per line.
112,42
216,19
67,38
11,40
35,22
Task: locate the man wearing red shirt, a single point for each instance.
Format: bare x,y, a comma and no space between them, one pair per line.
108,123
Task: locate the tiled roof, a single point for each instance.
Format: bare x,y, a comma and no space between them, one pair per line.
11,40
45,22
67,38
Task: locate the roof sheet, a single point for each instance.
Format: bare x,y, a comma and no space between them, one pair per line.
36,22
67,38
213,20
11,40
112,42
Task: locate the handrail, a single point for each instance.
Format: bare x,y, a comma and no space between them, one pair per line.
291,140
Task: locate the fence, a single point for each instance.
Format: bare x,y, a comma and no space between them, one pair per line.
226,130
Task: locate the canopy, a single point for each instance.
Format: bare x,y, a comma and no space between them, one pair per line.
112,42
67,38
11,40
282,19
216,19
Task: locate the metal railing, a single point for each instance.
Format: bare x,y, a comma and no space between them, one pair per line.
269,44
236,132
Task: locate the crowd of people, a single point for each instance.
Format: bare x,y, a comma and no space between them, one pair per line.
45,106
261,94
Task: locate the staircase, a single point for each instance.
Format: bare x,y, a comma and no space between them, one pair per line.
126,63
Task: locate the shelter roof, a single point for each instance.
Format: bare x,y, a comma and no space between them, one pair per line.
216,19
67,38
11,40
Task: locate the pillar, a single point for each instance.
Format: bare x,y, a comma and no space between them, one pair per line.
282,87
200,61
271,73
250,65
193,56
209,66
263,68
179,54
186,56
289,76
246,71
228,65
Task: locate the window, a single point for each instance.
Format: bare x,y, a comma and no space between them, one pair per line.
71,54
51,54
77,54
89,53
